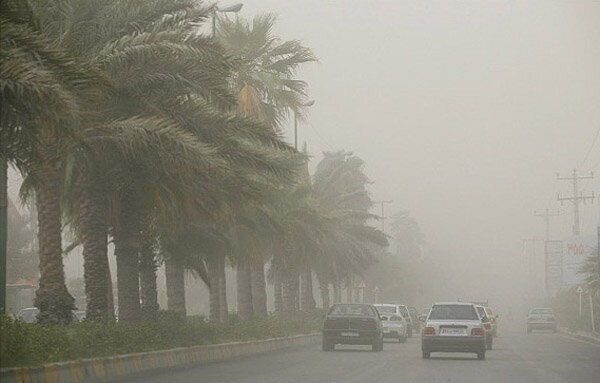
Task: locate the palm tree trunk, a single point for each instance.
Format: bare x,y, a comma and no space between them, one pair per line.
304,291
148,289
52,298
296,291
94,237
324,287
244,290
214,287
128,283
175,276
224,308
288,295
259,292
336,292
290,291
278,292
110,294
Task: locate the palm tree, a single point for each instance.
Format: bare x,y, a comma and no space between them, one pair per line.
265,84
264,77
175,102
44,93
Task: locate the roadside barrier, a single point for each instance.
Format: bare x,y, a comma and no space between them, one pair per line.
107,368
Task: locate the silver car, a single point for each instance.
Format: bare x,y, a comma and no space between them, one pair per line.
394,325
453,327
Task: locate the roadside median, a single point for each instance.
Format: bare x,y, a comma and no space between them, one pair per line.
583,335
108,368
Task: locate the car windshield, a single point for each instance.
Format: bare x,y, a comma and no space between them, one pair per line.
352,310
542,312
453,312
386,309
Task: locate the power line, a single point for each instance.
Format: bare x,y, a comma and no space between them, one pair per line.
591,147
576,198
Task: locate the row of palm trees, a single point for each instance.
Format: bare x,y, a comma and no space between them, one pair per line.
130,125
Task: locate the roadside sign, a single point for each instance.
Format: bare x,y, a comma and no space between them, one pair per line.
579,290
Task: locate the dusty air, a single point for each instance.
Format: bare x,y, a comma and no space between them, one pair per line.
299,191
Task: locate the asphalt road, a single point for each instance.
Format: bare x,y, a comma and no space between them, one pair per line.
516,357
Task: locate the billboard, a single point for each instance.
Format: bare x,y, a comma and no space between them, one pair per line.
553,251
576,249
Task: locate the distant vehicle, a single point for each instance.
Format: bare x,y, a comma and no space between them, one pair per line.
424,314
394,325
407,319
541,319
416,324
28,315
487,325
453,327
352,323
493,320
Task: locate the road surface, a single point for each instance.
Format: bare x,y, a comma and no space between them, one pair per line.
538,357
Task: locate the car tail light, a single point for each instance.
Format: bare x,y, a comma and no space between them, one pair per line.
329,324
428,331
487,326
477,331
371,325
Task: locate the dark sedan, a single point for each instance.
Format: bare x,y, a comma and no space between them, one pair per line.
358,324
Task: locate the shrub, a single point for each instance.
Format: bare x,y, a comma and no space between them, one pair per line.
30,344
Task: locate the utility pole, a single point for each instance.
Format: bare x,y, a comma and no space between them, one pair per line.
576,198
383,217
546,214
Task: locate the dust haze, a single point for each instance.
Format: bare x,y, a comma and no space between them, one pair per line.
463,112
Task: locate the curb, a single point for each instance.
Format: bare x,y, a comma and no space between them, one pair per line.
580,335
119,366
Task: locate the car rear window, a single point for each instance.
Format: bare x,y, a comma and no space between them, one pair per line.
453,312
352,310
404,311
386,309
542,311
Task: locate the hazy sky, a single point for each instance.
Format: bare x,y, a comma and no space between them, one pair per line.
464,111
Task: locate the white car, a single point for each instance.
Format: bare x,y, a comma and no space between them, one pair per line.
454,327
394,325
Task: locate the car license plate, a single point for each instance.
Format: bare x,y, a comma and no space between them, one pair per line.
453,331
349,334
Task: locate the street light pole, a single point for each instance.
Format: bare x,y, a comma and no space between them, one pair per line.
230,9
383,217
3,230
306,105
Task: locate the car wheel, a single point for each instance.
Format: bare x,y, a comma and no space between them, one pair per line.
328,346
426,354
378,345
481,355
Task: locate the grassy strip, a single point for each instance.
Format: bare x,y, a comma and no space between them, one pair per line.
30,344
